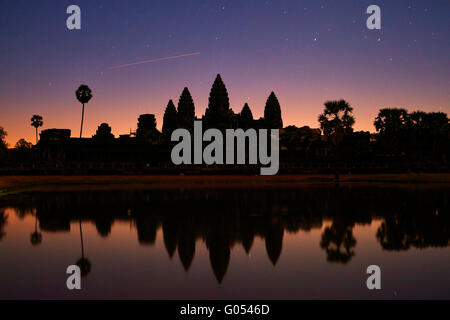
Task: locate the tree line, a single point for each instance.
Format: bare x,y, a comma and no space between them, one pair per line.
416,135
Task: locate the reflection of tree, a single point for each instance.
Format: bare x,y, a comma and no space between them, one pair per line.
83,262
391,235
36,237
419,231
338,241
223,218
3,220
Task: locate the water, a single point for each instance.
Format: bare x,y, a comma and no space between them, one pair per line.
308,241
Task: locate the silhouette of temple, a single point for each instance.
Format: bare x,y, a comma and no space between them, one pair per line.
404,142
148,147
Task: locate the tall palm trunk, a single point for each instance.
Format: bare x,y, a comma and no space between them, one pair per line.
36,136
82,116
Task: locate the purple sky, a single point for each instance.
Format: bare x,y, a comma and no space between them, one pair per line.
305,51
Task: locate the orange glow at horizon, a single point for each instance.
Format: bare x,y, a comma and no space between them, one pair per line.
300,107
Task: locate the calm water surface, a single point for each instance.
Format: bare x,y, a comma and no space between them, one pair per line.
311,241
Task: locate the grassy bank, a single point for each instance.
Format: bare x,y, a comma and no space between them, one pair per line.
10,184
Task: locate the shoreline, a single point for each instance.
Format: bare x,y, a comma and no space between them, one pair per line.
12,184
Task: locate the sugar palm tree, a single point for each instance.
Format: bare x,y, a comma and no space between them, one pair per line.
337,121
83,262
337,118
83,94
36,121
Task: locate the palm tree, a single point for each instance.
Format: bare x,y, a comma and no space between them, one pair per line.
83,94
3,134
336,121
337,118
83,263
36,121
393,127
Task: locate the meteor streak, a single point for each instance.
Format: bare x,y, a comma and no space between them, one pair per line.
154,60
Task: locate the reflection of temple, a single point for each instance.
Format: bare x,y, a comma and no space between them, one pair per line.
225,218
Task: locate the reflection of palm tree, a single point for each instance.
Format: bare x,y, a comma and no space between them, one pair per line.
392,234
36,122
83,263
3,220
403,231
36,237
83,94
335,238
